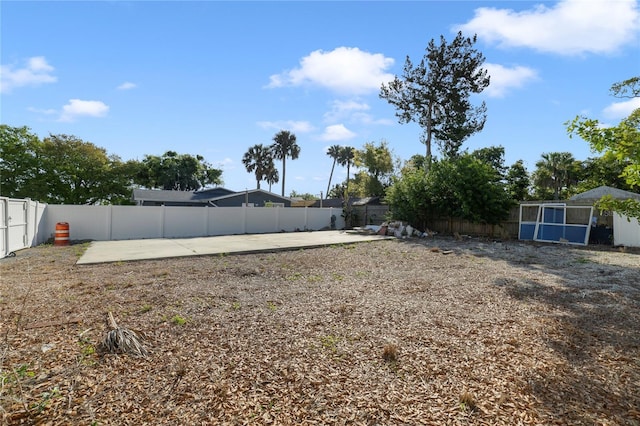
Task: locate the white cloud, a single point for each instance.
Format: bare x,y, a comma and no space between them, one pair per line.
620,110
569,27
337,132
292,126
354,112
77,107
42,111
503,79
341,110
37,71
127,86
343,70
226,164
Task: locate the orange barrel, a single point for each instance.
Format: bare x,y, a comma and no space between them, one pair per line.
62,234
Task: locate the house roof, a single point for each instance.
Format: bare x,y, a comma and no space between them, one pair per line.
337,202
367,201
160,195
212,193
599,192
196,197
250,191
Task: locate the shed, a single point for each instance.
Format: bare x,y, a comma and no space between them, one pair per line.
626,231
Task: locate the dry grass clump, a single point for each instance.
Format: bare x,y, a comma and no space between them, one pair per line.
121,340
467,401
390,353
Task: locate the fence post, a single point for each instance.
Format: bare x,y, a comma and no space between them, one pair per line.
110,222
162,219
244,222
206,220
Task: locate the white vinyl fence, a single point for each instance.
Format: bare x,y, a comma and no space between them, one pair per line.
20,224
137,222
26,223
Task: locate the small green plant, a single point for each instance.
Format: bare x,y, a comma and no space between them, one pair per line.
23,372
235,306
45,398
295,276
178,320
272,306
80,249
338,277
145,308
314,278
583,260
330,342
87,352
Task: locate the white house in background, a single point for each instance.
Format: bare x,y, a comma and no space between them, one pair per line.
213,197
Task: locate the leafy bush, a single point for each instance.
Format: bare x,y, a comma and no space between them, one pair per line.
463,187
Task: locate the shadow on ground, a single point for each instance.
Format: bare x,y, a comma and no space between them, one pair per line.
590,323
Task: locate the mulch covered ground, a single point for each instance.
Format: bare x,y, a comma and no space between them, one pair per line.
400,332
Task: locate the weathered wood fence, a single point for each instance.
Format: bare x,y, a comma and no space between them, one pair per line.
508,229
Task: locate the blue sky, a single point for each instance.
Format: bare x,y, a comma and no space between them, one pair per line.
215,78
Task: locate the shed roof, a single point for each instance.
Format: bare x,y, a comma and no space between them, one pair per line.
599,192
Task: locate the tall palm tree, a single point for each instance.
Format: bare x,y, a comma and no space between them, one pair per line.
345,159
258,159
333,152
272,176
555,171
284,145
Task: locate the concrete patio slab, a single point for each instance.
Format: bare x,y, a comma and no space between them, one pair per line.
129,250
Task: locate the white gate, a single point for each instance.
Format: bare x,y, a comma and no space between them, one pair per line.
19,220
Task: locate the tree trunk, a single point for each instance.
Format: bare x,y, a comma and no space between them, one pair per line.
330,177
284,172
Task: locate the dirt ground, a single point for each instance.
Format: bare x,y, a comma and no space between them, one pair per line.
400,332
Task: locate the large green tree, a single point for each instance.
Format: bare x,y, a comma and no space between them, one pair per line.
604,170
61,169
492,155
377,160
436,93
284,146
173,171
19,169
259,160
518,181
621,141
79,172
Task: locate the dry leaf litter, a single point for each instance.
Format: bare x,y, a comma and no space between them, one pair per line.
383,333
